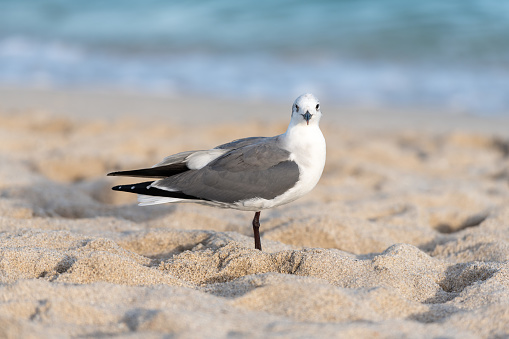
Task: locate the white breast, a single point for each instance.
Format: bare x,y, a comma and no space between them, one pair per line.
307,148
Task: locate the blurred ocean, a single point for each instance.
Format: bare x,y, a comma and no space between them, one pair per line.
451,55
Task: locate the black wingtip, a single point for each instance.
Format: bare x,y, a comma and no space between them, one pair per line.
153,172
145,189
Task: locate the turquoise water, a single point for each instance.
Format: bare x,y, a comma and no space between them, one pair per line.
438,54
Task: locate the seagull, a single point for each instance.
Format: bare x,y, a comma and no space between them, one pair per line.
250,174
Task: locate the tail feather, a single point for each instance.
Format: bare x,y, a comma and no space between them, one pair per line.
147,200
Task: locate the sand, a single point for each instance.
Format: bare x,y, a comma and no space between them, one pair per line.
406,235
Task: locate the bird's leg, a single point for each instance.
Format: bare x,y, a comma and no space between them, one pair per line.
256,231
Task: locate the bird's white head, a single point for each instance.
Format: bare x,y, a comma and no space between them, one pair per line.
306,110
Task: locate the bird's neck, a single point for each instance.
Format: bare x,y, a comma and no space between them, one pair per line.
302,133
304,139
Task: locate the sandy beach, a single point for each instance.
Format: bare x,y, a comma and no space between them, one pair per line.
405,236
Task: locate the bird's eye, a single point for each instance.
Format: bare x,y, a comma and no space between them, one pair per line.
317,107
296,108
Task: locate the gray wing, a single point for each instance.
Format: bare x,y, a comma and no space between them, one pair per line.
178,158
176,163
260,170
242,142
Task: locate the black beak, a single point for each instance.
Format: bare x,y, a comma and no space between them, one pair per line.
307,116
